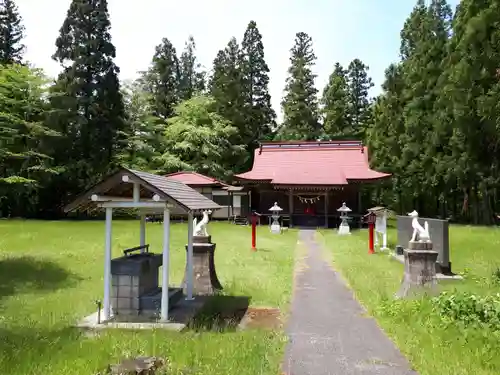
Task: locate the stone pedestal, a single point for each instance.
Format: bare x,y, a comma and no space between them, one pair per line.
205,281
420,269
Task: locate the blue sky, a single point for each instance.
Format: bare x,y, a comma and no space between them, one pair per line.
341,30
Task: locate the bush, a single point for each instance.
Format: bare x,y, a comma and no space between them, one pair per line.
468,309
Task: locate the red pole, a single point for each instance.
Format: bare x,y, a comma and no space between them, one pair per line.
254,225
371,227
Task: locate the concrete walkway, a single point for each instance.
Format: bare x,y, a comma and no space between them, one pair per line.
328,330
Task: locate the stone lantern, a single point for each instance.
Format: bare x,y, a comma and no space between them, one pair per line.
275,215
344,225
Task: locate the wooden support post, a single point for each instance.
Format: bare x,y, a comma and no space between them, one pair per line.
142,230
189,260
360,208
290,206
249,208
107,266
166,265
136,192
326,209
230,206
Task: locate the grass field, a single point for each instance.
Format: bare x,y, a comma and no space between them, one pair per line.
52,272
431,347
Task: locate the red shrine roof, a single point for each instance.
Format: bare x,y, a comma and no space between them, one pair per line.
195,179
311,163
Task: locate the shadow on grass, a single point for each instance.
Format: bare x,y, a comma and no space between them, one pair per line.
21,348
220,313
28,274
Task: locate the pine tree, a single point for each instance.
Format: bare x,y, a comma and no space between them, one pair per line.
359,103
162,80
191,77
300,104
260,116
226,89
429,37
335,104
87,102
383,136
11,33
472,93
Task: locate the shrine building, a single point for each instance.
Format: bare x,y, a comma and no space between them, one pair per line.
309,180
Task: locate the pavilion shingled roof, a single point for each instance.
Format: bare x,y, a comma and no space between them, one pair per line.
171,190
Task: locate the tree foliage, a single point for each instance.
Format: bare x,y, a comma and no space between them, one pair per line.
300,103
335,104
435,126
161,80
260,118
191,76
197,138
24,161
11,33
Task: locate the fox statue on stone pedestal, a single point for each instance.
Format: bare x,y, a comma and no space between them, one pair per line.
200,229
419,233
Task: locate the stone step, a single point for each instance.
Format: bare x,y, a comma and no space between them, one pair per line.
241,220
152,300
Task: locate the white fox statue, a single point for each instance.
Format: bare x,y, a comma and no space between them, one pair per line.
419,233
200,229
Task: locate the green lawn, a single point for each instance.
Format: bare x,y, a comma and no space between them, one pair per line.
417,331
52,272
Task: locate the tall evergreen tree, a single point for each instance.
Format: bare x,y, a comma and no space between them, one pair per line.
11,33
226,89
87,102
472,93
162,80
300,104
260,116
335,104
428,34
191,77
383,136
359,103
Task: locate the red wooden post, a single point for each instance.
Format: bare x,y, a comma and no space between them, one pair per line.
254,230
370,218
371,228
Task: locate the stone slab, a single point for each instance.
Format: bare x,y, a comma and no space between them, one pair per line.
152,300
202,239
136,264
179,318
417,245
202,247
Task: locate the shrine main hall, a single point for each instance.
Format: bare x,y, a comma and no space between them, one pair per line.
309,180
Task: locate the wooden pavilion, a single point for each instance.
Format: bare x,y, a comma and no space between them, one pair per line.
309,180
146,193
